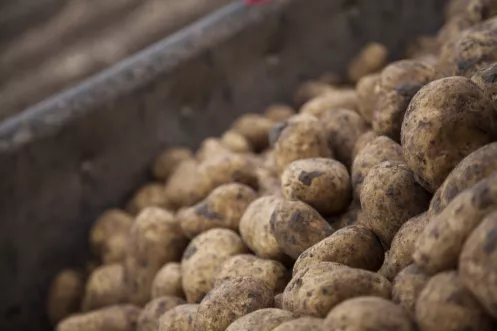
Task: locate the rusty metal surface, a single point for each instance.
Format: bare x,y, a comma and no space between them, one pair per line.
70,157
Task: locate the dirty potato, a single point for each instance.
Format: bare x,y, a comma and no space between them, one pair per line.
344,98
486,79
64,295
179,318
261,320
211,147
302,324
354,215
165,164
186,186
279,112
407,286
310,90
372,57
367,95
235,142
150,195
151,313
105,287
255,128
114,318
362,141
167,281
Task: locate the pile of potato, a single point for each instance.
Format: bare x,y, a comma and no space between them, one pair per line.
372,208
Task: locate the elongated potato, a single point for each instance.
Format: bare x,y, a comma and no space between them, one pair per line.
297,226
179,318
261,320
407,286
167,281
151,313
165,164
150,195
367,96
302,324
354,246
64,295
114,318
336,99
105,287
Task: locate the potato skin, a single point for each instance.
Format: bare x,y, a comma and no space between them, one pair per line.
317,289
168,160
367,96
105,287
151,313
407,286
279,112
155,239
203,258
255,128
302,324
390,196
64,295
445,121
362,141
355,246
297,226
324,184
372,57
186,186
167,281
486,79
368,313
338,98
179,318
261,320
310,90
114,318
235,142
445,304
222,208
245,265
150,195
231,300
477,263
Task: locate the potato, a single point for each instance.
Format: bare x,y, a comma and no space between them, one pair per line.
186,186
367,95
368,314
302,324
268,182
343,127
105,287
310,90
278,301
362,141
317,289
407,286
354,246
455,8
486,79
322,183
235,142
390,196
255,228
255,128
165,164
439,245
211,147
222,208
279,112
64,295
473,168
300,137
114,318
231,300
354,215
167,281
400,254
477,263
480,10
447,120
155,239
109,236
446,305
372,57
203,258
261,320
377,151
339,98
150,195
151,313
179,318
297,226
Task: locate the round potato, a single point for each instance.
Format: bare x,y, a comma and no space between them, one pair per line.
155,239
297,226
235,142
445,304
167,281
203,258
372,57
324,184
230,301
179,318
354,246
362,141
407,286
151,313
368,313
165,164
255,128
64,295
114,318
447,120
105,287
186,186
302,324
150,195
279,112
367,96
390,196
486,79
336,99
261,320
310,90
211,147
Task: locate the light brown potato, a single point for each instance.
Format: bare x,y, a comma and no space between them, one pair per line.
473,168
155,239
486,79
440,244
203,258
245,265
261,320
222,208
372,57
400,254
447,120
322,183
354,215
302,324
390,196
255,228
269,183
455,8
336,99
446,305
343,128
165,164
310,90
354,246
235,142
109,236
297,226
167,281
480,10
362,141
105,287
367,96
407,286
211,147
64,295
279,112
368,313
278,301
300,137
179,318
186,186
151,313
379,150
150,195
230,301
255,128
477,263
114,318
317,289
